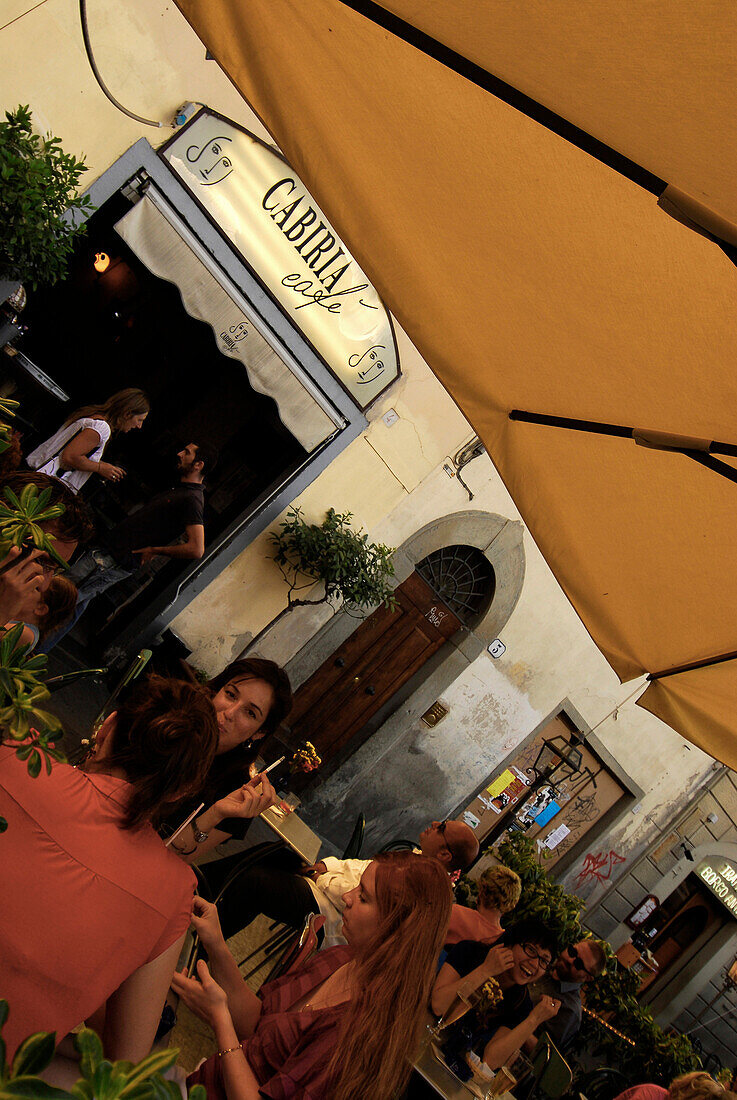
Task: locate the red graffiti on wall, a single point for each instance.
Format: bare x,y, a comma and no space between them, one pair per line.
598,867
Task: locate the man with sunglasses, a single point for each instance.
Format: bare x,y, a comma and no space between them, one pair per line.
284,891
578,964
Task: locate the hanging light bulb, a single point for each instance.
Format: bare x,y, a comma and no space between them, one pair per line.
102,261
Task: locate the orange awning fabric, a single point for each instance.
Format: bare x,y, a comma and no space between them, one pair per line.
532,276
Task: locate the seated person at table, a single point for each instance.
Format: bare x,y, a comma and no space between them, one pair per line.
496,1034
348,1023
95,907
251,698
698,1085
24,575
45,612
285,891
499,890
578,964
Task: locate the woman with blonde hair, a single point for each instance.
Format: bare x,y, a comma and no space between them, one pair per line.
349,1022
698,1085
75,451
499,890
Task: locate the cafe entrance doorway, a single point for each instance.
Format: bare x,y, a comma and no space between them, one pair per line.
686,921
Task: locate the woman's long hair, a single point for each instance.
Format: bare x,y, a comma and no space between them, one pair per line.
392,979
164,741
124,403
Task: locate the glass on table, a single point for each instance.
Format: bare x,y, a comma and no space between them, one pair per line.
467,997
514,1070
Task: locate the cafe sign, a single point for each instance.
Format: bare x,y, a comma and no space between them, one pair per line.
721,878
265,210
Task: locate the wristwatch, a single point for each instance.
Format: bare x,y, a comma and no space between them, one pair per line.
199,836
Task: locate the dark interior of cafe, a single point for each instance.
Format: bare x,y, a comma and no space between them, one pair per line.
100,331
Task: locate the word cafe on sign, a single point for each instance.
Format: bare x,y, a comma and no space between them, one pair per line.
262,207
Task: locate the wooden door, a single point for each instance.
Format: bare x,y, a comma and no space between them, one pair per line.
370,667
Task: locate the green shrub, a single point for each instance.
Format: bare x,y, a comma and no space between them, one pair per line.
38,190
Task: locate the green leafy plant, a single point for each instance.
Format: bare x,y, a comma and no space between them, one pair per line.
7,409
38,190
656,1056
541,899
99,1080
21,519
352,569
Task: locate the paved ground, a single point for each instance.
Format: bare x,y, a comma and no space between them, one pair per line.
194,1039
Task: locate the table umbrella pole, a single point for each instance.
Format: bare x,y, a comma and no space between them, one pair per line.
701,450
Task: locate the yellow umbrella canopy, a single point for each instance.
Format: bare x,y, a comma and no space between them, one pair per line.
534,277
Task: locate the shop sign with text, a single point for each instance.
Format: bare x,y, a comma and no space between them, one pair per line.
721,878
264,209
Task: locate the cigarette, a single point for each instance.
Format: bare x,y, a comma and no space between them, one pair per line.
184,824
274,765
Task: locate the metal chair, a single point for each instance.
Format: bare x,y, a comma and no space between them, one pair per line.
354,845
303,947
134,670
250,857
550,1071
603,1083
399,845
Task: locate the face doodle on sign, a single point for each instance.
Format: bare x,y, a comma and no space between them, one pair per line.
368,365
215,166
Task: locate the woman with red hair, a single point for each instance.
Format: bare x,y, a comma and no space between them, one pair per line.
349,1022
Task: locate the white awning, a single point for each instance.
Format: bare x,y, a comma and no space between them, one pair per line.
211,298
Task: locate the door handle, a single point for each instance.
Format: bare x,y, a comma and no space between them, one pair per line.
370,690
339,662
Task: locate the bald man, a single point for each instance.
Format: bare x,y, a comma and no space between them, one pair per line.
284,891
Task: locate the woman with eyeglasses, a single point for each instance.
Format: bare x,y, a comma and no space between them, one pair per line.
495,1035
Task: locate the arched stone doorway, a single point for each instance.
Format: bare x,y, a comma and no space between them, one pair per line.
488,550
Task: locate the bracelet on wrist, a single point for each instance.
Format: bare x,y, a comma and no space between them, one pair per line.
229,1050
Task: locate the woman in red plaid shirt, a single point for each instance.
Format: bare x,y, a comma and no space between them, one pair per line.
349,1022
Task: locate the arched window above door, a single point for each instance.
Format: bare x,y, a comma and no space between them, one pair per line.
463,578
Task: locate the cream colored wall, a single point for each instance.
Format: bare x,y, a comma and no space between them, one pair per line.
390,478
495,704
146,53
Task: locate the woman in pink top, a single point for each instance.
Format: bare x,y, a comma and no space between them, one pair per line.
499,891
95,907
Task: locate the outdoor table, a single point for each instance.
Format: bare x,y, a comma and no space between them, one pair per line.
445,1083
292,830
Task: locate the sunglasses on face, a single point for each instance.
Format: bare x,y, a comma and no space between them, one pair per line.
441,827
532,953
577,962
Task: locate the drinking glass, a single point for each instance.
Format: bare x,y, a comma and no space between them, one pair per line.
466,998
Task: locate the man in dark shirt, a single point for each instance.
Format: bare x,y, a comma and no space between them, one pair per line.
149,532
577,965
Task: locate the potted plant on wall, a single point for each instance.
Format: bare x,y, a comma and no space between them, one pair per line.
355,573
39,204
